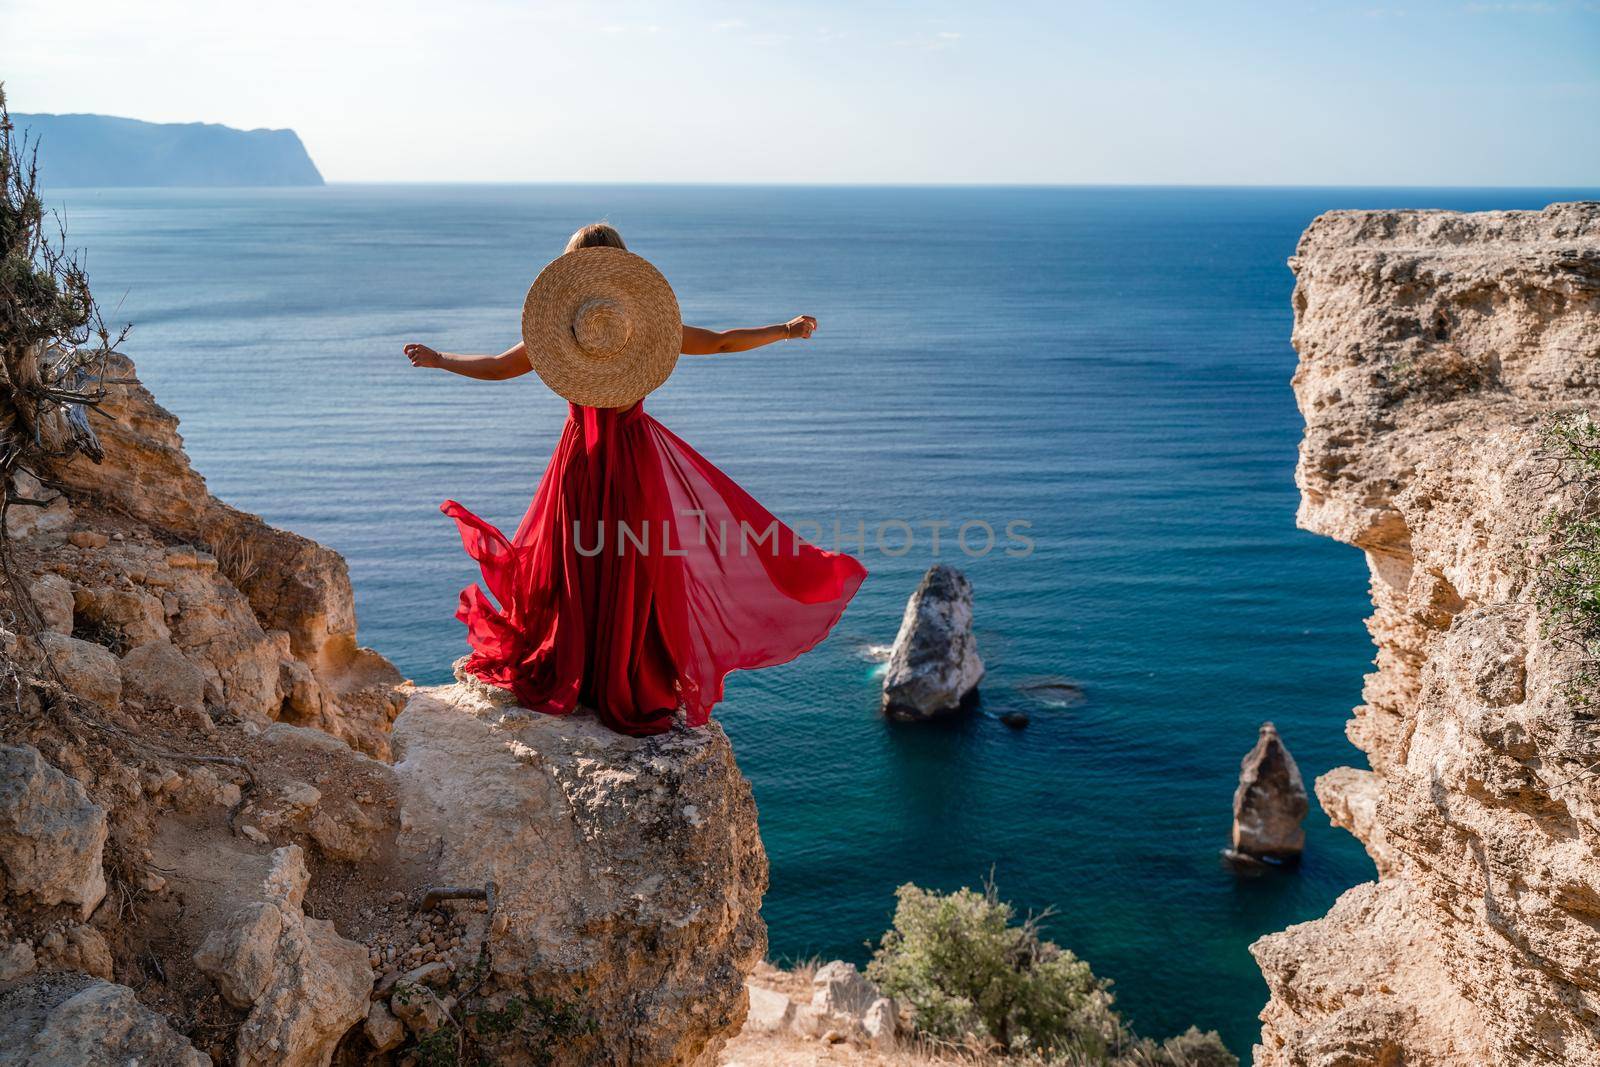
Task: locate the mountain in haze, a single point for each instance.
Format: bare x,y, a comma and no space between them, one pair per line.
101,150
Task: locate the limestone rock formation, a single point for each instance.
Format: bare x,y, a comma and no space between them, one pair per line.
934,667
628,872
192,733
1433,348
295,619
1270,803
303,983
51,835
60,1019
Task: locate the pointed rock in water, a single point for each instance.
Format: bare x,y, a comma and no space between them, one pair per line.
1269,804
934,668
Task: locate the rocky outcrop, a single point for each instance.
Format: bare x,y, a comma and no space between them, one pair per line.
198,801
59,1019
1270,802
1433,348
934,668
627,872
51,835
303,984
266,615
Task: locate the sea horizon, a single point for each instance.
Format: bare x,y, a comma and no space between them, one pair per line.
887,184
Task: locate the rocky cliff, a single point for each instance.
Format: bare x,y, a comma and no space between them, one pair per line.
1436,349
103,150
228,833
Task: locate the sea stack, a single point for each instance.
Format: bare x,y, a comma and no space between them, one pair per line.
934,668
1269,804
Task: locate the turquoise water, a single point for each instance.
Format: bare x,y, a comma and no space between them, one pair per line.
1110,365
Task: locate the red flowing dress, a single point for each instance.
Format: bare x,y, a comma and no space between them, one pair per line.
640,576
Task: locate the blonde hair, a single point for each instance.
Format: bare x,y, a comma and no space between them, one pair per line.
596,235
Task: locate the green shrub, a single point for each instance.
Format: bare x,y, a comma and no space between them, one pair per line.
970,973
1191,1048
1567,579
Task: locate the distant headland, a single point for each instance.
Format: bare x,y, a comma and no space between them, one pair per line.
102,150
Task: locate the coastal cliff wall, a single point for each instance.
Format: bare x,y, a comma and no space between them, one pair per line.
1435,351
106,151
228,833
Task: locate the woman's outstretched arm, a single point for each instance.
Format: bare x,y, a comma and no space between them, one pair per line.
508,364
698,342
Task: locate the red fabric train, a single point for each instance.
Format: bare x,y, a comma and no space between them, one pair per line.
640,576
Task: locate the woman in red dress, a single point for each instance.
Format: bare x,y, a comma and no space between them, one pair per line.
641,574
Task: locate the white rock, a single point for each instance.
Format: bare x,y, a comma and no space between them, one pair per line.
770,1010
934,667
881,1022
52,837
839,989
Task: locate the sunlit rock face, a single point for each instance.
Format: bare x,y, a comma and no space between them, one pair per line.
1433,348
217,840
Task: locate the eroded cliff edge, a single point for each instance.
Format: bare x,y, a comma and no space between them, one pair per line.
1434,349
221,819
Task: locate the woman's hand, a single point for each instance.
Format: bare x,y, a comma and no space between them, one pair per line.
800,326
423,356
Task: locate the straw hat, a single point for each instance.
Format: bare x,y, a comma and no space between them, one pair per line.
602,327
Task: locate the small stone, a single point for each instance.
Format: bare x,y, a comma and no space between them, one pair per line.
151,882
253,834
299,796
383,1029
417,1007
882,1022
16,960
52,595
770,1011
429,975
88,539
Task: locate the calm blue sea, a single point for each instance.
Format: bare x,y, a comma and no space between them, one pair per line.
1110,365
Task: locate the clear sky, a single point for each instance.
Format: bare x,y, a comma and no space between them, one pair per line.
1285,92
